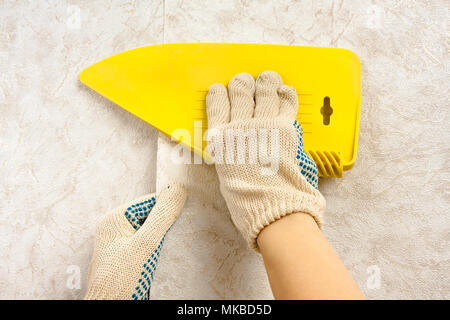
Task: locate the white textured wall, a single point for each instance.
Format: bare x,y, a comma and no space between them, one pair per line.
67,155
390,213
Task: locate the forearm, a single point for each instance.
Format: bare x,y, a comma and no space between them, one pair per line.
301,264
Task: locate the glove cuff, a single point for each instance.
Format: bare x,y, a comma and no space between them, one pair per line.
251,215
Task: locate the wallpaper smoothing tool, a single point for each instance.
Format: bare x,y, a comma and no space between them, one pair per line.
166,86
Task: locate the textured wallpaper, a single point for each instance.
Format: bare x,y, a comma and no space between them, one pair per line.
68,155
388,218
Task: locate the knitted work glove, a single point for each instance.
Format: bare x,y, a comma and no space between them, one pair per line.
257,193
128,243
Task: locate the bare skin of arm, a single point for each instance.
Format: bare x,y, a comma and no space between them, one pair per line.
301,264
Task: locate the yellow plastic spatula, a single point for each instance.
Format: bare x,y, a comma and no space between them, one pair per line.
166,86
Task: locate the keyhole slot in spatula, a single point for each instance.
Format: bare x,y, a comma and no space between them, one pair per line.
326,111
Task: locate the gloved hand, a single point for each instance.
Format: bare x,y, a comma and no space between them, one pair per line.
257,195
128,243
